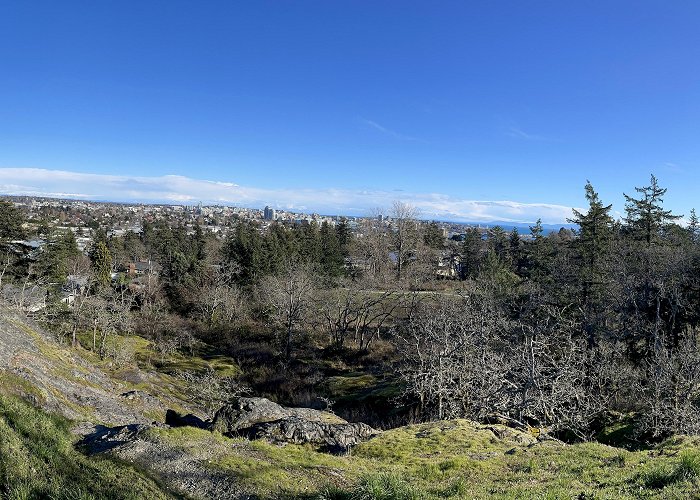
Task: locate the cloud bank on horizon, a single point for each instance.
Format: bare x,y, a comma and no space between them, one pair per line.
178,189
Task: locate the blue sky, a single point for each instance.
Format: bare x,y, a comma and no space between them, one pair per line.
297,101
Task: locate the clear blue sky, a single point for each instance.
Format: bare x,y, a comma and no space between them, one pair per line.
491,100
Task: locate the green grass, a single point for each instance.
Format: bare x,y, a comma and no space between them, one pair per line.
38,460
660,476
456,459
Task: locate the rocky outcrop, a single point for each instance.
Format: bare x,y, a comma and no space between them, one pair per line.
58,380
335,438
184,472
257,418
246,412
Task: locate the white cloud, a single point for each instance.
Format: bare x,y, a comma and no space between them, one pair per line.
388,131
519,133
178,189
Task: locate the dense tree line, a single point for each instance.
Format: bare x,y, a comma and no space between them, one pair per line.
600,321
558,330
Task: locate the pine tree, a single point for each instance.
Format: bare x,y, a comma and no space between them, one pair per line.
646,217
52,263
432,237
693,226
595,232
331,257
593,248
101,260
11,221
309,243
243,251
515,250
342,231
472,247
539,252
647,223
498,242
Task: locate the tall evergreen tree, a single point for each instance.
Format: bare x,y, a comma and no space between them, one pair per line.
52,263
11,221
243,251
646,217
331,256
593,247
538,255
647,223
693,226
342,230
101,261
472,249
515,250
498,242
432,236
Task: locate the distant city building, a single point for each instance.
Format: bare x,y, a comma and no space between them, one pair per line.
269,213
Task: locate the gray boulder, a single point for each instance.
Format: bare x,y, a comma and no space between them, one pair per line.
257,418
246,412
335,438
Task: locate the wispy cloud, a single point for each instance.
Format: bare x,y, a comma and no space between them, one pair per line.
178,189
518,133
387,131
673,167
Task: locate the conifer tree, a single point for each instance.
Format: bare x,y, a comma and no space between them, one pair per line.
101,260
342,230
515,250
243,251
498,242
11,220
646,217
432,237
693,226
593,248
538,254
471,253
331,256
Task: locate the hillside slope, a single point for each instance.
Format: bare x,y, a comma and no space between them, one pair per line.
56,379
122,453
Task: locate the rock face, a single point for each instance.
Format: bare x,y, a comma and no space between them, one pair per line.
257,418
335,438
186,473
246,412
63,382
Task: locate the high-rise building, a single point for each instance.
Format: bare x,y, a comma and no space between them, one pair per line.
269,213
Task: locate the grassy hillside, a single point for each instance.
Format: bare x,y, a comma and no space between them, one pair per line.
455,459
451,459
38,460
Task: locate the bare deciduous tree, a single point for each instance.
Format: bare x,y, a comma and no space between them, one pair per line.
405,229
355,310
216,299
671,398
288,296
450,362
